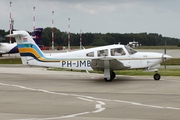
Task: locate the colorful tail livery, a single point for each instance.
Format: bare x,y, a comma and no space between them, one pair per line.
31,54
89,59
7,48
27,47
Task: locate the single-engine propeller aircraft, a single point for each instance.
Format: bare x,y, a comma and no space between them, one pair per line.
107,58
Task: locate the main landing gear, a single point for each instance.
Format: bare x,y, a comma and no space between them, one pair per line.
157,76
112,76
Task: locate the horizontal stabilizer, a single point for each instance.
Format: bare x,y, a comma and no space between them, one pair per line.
14,35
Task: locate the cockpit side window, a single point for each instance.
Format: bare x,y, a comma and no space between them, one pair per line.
90,54
102,52
130,50
117,52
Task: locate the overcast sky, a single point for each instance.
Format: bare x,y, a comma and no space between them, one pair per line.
95,16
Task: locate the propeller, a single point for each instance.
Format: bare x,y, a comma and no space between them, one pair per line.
164,56
164,59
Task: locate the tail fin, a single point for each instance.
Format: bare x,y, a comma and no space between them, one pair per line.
36,35
28,49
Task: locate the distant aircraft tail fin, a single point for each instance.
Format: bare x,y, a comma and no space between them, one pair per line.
36,35
28,49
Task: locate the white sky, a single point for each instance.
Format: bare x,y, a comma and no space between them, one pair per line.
95,16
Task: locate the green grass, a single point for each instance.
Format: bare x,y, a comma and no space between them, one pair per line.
163,72
11,61
173,61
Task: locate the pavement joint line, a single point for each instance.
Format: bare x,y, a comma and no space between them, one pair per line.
100,109
127,102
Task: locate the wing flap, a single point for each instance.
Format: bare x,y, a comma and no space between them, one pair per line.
114,64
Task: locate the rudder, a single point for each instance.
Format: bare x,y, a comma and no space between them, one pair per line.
27,47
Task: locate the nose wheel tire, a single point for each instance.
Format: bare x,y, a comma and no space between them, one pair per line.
157,76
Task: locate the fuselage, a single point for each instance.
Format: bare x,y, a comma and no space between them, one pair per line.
81,59
7,48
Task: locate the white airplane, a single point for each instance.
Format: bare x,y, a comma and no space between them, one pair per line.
99,58
7,48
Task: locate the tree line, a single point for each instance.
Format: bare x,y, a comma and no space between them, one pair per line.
99,39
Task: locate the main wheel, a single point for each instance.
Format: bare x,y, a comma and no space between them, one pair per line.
157,76
108,80
113,75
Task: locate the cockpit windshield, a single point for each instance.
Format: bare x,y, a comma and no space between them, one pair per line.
130,50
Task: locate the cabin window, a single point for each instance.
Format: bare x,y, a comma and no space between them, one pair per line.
117,52
130,50
91,54
103,52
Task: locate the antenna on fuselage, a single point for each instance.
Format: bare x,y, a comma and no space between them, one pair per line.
83,47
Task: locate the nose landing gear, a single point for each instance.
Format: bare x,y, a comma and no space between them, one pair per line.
157,76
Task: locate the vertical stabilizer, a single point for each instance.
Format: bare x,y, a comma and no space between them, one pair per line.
27,47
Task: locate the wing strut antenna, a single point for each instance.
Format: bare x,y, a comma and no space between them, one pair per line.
87,71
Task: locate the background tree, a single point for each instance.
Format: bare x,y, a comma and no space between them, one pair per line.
99,39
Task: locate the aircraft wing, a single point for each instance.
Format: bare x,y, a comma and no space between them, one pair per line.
2,51
114,64
1,44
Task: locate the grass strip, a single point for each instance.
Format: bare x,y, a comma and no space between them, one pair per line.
163,72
